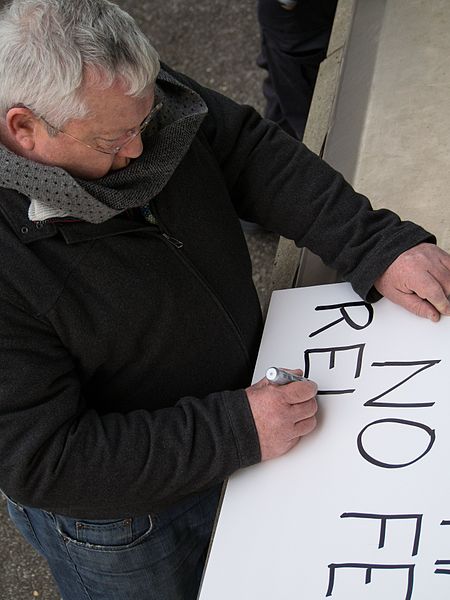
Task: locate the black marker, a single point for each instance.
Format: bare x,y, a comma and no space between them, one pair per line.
281,377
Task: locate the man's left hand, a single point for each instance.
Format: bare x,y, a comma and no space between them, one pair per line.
419,280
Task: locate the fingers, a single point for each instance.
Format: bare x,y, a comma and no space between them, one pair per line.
437,294
429,300
304,427
282,414
416,305
304,410
419,280
421,308
431,291
304,418
299,392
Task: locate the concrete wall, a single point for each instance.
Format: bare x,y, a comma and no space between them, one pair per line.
380,116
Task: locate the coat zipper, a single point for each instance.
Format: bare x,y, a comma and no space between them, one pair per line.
178,245
171,239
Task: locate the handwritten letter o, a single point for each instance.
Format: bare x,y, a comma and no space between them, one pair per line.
430,438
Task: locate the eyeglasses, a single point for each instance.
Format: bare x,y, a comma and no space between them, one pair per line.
106,148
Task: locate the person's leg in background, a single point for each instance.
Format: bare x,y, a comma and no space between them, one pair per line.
294,41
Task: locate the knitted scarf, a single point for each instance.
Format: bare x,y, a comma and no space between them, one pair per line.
55,193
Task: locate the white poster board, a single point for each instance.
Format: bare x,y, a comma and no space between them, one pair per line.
360,509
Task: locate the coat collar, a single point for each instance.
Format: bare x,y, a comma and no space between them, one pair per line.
14,207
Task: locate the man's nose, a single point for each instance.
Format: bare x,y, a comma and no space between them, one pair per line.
133,149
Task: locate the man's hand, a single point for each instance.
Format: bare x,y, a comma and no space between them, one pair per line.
419,280
282,414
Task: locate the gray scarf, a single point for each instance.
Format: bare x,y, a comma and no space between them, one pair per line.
55,193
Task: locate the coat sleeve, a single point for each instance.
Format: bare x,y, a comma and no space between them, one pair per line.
60,455
275,181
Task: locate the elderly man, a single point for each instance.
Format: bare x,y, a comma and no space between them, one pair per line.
129,321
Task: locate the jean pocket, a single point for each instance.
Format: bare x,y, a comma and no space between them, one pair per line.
104,535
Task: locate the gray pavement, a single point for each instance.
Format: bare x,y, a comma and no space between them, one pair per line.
215,42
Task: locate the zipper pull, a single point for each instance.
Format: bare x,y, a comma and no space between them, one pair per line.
173,241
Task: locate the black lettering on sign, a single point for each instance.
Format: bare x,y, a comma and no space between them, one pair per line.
442,571
443,562
369,567
384,519
345,316
424,364
402,422
332,363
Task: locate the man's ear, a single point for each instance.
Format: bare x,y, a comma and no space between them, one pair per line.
21,125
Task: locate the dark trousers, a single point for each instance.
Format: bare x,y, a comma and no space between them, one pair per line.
293,44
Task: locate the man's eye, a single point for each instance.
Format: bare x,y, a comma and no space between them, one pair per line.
103,145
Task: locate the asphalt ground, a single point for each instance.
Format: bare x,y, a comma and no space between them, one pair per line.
215,42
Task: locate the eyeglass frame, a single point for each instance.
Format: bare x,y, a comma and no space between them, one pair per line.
155,109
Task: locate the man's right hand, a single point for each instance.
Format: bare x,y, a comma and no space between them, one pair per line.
282,414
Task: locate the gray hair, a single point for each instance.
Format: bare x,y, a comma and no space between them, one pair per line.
48,46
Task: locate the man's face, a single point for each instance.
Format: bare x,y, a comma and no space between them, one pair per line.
112,115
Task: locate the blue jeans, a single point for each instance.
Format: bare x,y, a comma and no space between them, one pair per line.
151,557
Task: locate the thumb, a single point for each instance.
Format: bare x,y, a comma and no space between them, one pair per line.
418,306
